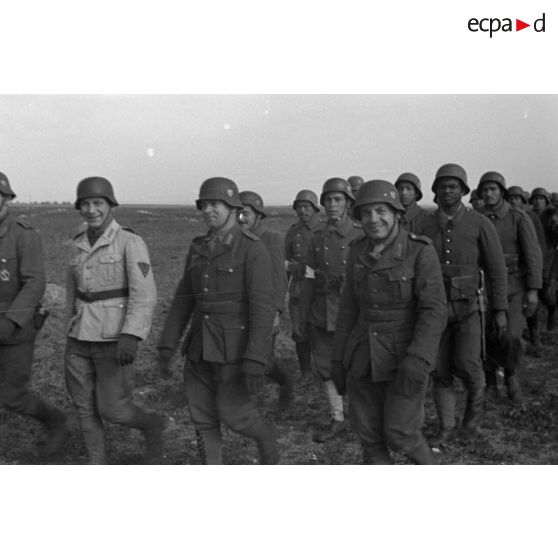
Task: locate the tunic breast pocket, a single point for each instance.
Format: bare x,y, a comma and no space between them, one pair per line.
230,278
8,268
111,270
401,283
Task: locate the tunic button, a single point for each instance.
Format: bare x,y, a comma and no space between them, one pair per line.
343,262
206,276
342,247
325,247
206,317
375,334
448,251
327,263
447,261
205,289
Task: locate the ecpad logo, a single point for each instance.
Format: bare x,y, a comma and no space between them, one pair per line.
492,25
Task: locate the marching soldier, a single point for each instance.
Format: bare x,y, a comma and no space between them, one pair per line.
297,243
517,197
523,259
356,182
22,285
466,243
409,188
110,299
253,214
226,291
391,316
327,262
475,201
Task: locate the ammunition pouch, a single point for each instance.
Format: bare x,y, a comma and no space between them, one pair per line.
462,287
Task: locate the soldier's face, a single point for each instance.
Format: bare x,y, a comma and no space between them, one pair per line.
250,216
335,204
95,211
539,203
516,201
215,213
449,192
304,210
378,220
491,194
407,193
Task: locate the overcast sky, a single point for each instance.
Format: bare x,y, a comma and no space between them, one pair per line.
159,148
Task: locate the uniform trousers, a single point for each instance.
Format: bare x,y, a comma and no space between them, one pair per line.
101,390
216,394
380,414
15,374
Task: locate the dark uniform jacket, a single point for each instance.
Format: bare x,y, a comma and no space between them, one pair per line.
297,244
327,257
393,305
22,277
465,244
227,292
521,247
413,217
274,244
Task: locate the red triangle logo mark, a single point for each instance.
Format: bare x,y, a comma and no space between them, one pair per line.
519,25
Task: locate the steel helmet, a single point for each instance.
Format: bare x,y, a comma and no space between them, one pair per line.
540,192
377,191
95,187
554,198
307,196
336,185
452,170
474,196
5,187
254,201
356,182
493,176
218,188
413,179
517,191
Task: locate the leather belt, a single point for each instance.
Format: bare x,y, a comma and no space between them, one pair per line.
102,295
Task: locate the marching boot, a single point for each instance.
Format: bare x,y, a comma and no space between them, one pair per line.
267,446
423,455
210,446
153,432
534,333
513,388
444,401
551,318
376,454
55,422
304,357
285,383
491,378
474,407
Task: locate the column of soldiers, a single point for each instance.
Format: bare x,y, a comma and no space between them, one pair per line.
385,300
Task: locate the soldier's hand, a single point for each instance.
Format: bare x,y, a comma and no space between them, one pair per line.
164,362
412,375
500,323
531,302
126,349
7,328
338,373
253,376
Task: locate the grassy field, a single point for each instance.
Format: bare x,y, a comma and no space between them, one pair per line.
524,433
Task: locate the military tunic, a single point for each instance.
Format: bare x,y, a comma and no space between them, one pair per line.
226,292
22,285
465,243
413,217
321,292
392,306
110,291
297,244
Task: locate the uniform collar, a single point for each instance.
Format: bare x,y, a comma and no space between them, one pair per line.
5,225
501,211
411,212
390,256
313,224
105,239
343,229
443,218
223,243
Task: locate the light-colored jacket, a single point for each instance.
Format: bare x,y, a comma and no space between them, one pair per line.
118,260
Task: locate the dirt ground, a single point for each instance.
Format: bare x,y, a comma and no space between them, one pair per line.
523,433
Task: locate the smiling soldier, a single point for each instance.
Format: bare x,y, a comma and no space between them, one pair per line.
391,316
111,296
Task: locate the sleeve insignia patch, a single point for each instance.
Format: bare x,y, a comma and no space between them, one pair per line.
144,268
